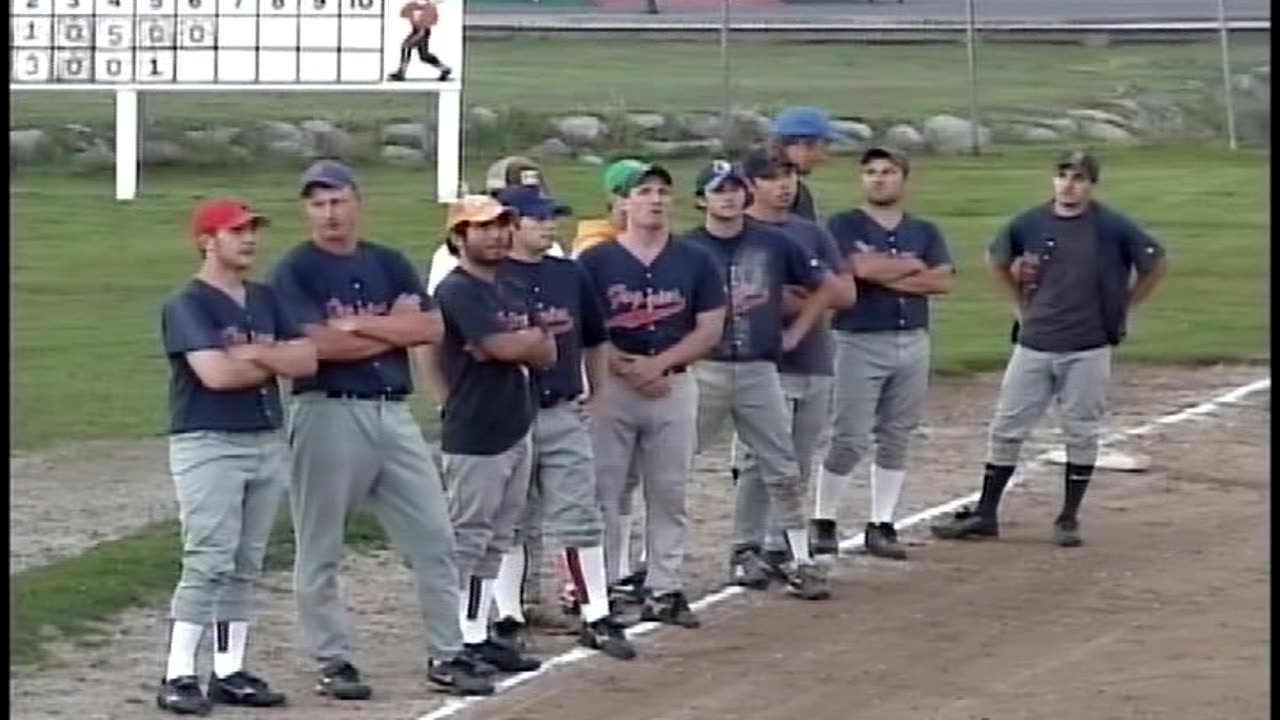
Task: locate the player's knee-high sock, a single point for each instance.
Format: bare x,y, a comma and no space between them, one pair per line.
624,547
473,611
994,480
184,641
586,567
830,491
886,488
406,52
506,589
798,541
1077,481
230,638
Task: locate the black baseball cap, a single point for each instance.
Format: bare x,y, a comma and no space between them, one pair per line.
884,152
715,175
764,164
1082,161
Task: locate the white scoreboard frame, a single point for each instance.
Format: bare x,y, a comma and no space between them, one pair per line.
80,27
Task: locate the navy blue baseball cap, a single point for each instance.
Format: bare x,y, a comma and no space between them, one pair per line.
329,174
716,175
531,203
805,122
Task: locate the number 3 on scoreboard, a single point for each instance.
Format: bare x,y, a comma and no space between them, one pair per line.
32,67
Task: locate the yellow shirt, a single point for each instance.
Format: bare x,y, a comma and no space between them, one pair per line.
592,233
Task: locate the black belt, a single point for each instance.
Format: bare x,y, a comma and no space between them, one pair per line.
387,396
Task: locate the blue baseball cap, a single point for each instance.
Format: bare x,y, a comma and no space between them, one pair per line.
805,122
531,203
327,173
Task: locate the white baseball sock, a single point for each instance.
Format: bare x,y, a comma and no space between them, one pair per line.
831,488
886,488
624,547
230,638
184,642
506,589
473,610
586,567
798,539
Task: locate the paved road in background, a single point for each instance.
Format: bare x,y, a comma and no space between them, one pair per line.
889,11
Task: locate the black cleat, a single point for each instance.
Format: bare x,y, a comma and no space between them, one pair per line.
445,74
341,680
808,582
502,657
460,676
881,540
242,688
748,569
776,562
1066,532
607,636
966,524
628,590
823,538
671,608
182,696
511,633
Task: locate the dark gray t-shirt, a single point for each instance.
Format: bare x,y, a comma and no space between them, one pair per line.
1062,311
814,355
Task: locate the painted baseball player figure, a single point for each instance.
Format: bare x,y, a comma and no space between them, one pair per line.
664,309
492,341
1074,269
739,379
354,439
883,348
227,340
563,502
806,371
422,16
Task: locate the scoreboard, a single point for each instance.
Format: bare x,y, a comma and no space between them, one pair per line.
206,44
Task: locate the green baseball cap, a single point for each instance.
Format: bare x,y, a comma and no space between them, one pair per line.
623,175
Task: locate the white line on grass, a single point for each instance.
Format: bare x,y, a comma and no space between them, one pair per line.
457,705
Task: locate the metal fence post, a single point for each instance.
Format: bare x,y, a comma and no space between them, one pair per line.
724,71
1226,74
971,40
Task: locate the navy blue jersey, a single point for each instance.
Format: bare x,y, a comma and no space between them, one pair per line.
649,308
815,355
756,264
202,317
564,303
316,285
879,307
489,407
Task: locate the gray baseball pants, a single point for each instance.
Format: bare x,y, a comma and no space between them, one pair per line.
347,452
229,487
808,407
882,379
487,497
750,394
658,435
1032,379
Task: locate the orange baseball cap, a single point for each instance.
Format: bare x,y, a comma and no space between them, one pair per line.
476,209
223,214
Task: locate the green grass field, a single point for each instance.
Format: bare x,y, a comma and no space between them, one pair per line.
88,274
552,76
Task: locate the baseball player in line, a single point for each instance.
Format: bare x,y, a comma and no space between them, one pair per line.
629,587
227,340
801,135
563,492
1074,269
739,380
664,309
492,340
806,371
354,439
882,360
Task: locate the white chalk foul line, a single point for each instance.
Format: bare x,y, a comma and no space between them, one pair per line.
456,705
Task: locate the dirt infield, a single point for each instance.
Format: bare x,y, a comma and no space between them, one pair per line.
1160,615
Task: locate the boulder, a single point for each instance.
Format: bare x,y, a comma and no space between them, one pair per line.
682,148
326,138
904,137
401,155
28,145
1030,134
278,131
580,129
948,133
702,126
853,129
482,118
646,121
1105,132
163,153
552,148
410,135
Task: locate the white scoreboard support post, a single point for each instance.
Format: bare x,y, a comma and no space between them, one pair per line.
138,47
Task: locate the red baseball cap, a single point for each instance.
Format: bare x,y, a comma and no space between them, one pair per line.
223,214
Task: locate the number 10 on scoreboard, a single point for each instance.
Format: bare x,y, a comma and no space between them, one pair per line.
205,44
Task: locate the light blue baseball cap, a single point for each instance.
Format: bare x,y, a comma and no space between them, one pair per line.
804,121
